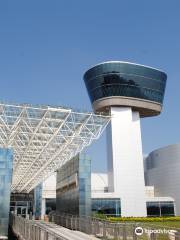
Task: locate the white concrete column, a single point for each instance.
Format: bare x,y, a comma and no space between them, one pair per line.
125,161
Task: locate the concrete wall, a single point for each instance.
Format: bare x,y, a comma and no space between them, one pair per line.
99,182
163,172
49,187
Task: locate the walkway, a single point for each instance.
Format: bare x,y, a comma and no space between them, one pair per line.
39,230
64,233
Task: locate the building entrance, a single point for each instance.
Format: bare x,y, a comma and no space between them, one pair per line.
21,210
21,204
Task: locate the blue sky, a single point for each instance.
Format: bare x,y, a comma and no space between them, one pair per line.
46,46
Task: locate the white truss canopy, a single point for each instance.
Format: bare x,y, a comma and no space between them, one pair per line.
43,138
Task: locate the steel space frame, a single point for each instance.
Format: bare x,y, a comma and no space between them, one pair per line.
43,138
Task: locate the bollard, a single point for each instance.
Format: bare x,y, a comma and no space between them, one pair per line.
116,231
134,234
153,236
124,232
174,235
104,230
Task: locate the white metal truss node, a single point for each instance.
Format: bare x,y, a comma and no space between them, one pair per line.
43,138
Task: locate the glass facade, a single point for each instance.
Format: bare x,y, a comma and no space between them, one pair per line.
125,79
50,205
38,201
73,189
156,209
107,206
6,164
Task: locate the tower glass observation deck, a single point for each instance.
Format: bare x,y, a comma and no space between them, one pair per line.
118,83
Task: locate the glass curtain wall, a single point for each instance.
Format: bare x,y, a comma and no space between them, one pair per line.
6,164
107,206
73,191
38,201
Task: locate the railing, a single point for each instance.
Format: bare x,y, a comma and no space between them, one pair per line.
26,229
115,231
38,230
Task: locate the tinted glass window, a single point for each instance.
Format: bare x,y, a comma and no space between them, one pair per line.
160,208
123,79
106,206
153,209
167,208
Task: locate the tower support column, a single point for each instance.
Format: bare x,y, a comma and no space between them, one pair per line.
125,161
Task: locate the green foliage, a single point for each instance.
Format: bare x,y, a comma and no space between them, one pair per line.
144,219
100,216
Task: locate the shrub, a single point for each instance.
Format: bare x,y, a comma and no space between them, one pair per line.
143,219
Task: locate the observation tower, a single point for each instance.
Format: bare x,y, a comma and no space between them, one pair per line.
127,91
